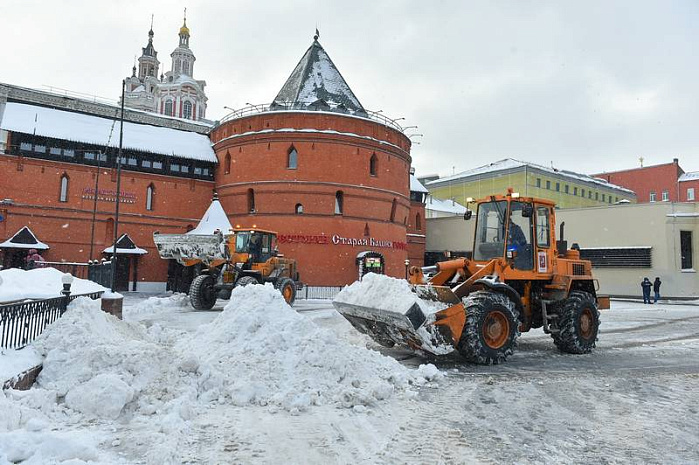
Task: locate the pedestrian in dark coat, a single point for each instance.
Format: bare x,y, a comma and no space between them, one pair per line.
646,285
656,289
33,259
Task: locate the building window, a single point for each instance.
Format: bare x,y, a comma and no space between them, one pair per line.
89,156
575,191
227,164
652,196
150,191
133,162
567,189
251,201
197,170
54,150
589,194
292,158
187,110
146,163
609,199
418,222
686,249
299,209
157,165
339,201
582,192
25,146
168,107
690,194
63,196
538,182
603,198
373,165
184,169
666,196
548,185
393,210
596,195
558,187
174,167
40,148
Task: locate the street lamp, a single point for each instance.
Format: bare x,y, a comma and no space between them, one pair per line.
398,119
409,127
228,108
415,135
407,265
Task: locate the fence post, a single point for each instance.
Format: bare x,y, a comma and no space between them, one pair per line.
67,280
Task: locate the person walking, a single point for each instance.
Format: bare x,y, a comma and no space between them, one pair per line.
33,259
646,285
656,289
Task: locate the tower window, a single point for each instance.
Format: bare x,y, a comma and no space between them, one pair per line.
418,222
251,201
393,210
63,196
227,164
373,165
187,110
168,107
299,209
292,159
339,200
150,191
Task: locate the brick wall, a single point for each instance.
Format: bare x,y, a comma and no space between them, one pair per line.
649,179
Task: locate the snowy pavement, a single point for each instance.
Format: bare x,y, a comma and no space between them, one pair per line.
185,397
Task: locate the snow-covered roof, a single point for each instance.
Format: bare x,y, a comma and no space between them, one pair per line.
446,206
214,218
126,246
24,239
79,127
316,80
510,163
691,176
416,186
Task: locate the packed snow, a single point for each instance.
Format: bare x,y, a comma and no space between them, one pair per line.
15,362
40,283
102,371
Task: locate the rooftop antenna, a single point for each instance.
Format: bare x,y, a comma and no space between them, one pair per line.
151,21
185,15
315,37
641,160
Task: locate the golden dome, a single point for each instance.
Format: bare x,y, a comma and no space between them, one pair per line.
184,29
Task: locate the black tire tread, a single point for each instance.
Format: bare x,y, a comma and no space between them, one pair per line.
281,283
197,293
568,338
471,346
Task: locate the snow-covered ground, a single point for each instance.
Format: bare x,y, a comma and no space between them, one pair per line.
260,383
39,283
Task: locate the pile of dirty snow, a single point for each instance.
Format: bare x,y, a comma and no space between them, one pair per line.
14,362
39,283
260,351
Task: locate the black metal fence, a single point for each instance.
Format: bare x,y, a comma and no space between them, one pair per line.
21,323
96,271
318,292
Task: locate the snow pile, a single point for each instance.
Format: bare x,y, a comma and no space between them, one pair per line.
155,305
14,362
39,283
386,293
260,351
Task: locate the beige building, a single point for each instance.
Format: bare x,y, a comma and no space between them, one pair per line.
625,243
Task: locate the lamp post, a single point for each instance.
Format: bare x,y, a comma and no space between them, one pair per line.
118,188
407,265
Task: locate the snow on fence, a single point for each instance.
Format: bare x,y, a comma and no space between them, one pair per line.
21,323
96,271
318,292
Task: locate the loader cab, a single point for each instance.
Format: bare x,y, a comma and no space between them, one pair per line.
504,230
259,245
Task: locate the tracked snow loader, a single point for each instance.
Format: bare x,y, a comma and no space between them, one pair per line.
519,277
239,258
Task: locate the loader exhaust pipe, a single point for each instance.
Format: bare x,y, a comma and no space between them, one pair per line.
561,243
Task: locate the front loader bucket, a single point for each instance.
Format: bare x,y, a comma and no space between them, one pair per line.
432,324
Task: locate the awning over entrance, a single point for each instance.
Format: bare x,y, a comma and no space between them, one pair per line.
125,246
24,239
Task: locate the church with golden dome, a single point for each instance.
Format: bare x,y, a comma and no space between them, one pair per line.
172,93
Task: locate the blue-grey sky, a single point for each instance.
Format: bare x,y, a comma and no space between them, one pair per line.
588,86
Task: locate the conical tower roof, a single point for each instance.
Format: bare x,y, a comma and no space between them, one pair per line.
214,218
316,84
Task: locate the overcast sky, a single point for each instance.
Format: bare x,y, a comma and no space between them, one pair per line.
588,86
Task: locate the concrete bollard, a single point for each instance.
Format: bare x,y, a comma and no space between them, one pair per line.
113,303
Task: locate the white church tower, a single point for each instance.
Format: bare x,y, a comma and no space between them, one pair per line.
176,93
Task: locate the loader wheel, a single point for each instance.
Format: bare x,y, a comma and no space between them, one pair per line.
288,289
491,330
202,293
578,323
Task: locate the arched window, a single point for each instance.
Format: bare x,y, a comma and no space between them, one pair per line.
299,209
185,67
187,110
292,158
227,164
251,201
393,210
177,66
63,196
150,191
339,202
373,165
168,107
418,222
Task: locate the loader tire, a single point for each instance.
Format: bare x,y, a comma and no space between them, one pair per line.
491,330
287,287
202,293
578,324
